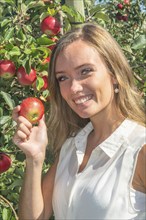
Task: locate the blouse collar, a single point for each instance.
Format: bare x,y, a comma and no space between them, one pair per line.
112,143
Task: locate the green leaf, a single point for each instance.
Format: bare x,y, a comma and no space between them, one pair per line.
96,9
9,46
9,34
127,48
27,65
17,182
7,1
5,22
27,51
68,10
2,51
15,51
51,11
44,50
5,214
34,4
23,8
1,112
102,15
4,119
73,15
139,43
27,28
39,83
44,41
9,101
35,17
21,35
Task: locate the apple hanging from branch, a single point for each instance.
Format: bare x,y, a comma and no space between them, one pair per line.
7,69
24,78
32,109
50,26
5,162
120,6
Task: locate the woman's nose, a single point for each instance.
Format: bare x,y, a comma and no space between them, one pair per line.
76,86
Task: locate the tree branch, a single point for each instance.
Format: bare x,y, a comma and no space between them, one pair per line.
6,201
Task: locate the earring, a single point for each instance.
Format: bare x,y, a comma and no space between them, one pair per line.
116,90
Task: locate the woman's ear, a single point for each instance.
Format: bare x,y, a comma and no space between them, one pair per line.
114,80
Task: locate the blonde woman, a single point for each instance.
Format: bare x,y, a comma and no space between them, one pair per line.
96,128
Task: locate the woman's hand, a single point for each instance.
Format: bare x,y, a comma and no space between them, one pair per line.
32,140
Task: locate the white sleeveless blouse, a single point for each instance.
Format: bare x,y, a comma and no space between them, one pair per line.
102,190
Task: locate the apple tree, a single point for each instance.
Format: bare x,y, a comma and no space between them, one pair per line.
29,31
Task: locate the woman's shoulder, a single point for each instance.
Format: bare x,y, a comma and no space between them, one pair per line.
137,133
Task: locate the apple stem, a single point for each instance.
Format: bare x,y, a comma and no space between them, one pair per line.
6,201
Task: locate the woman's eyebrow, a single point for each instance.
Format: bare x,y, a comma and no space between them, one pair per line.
59,72
83,65
76,68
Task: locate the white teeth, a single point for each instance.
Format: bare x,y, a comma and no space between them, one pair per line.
82,100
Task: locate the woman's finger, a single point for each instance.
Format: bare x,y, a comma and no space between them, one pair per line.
25,129
15,113
22,120
17,139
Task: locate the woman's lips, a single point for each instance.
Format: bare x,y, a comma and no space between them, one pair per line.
83,99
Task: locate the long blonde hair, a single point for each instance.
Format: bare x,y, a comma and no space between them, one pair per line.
63,122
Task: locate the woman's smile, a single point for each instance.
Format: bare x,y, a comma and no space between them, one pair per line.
82,99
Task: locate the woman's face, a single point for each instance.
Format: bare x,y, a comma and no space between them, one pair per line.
85,82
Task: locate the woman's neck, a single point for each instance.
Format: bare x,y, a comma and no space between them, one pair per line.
104,127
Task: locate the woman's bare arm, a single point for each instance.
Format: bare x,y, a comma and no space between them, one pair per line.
36,195
139,179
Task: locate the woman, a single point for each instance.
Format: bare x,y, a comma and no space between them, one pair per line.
96,128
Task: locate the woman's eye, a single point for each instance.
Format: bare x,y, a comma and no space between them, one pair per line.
86,71
61,78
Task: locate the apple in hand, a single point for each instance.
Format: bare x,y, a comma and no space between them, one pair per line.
5,162
50,26
24,78
7,69
32,109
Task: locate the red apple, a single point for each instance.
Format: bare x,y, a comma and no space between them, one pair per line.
5,162
32,109
125,17
119,16
50,26
45,86
120,6
46,60
25,78
127,2
7,69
